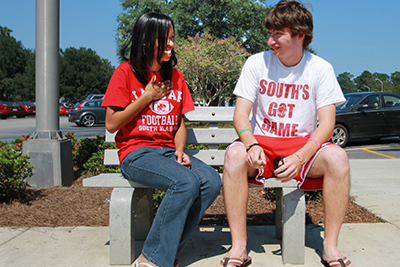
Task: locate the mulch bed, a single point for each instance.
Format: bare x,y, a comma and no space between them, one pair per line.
80,206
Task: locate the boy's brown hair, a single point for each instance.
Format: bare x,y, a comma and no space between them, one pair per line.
293,15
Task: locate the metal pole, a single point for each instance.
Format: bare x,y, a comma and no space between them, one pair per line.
369,89
50,152
47,69
381,84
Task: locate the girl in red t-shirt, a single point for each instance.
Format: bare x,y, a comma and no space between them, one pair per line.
145,102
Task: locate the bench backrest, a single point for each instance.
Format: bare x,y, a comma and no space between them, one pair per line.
211,136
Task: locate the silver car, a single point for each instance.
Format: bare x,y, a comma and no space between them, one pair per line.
87,113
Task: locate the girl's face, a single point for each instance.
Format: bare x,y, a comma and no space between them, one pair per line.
166,56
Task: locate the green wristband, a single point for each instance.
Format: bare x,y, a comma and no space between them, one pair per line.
245,129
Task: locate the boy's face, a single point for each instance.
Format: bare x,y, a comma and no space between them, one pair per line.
288,48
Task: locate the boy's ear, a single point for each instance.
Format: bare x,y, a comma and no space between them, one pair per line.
302,35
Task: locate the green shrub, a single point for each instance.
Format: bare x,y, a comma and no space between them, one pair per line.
15,169
158,196
96,166
85,149
88,154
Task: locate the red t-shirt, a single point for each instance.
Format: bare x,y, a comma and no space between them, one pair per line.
156,124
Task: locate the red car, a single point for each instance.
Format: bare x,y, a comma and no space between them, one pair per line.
13,109
30,108
3,111
64,108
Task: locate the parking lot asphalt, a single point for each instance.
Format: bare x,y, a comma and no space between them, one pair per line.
374,151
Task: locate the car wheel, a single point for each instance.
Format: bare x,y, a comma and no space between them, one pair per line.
88,120
340,135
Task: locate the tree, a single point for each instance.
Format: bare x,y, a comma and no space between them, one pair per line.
346,82
83,72
366,82
23,84
395,80
211,66
240,19
133,9
13,61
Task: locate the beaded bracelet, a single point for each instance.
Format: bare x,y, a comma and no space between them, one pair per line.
315,140
250,146
301,162
245,129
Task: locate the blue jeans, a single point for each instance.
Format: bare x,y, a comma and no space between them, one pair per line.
189,192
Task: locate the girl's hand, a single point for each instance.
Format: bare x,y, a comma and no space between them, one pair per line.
158,90
182,158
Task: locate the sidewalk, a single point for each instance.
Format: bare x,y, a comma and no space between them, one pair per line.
375,184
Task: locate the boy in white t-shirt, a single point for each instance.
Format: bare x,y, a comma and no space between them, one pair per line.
286,89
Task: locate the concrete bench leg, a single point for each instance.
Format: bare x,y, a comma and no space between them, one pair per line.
290,224
131,215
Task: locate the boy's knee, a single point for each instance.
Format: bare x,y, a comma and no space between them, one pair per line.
235,155
341,160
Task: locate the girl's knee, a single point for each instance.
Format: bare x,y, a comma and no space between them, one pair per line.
212,179
215,184
191,184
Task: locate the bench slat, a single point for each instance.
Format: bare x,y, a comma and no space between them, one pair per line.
110,180
210,157
199,136
117,180
210,114
211,136
111,157
110,137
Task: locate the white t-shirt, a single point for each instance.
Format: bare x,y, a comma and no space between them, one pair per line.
286,99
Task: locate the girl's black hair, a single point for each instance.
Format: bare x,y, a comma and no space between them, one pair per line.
150,29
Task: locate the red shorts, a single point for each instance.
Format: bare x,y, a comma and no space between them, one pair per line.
285,146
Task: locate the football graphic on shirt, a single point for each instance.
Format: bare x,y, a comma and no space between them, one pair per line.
161,107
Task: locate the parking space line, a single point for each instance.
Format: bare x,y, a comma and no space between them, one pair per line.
380,154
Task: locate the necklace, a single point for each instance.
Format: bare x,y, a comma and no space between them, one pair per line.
159,68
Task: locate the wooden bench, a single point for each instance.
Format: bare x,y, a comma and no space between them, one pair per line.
131,206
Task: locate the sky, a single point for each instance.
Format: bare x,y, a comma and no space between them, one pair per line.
353,35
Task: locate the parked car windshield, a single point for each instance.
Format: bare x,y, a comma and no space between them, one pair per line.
350,101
